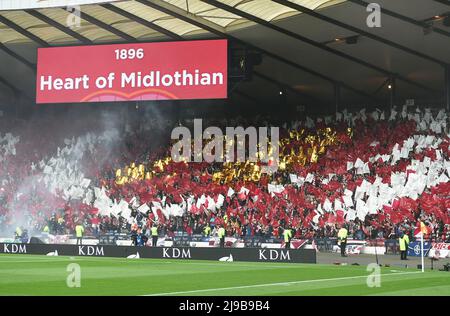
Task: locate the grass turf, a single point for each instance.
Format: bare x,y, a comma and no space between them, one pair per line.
41,275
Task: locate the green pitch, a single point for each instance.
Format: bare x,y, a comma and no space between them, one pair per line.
41,275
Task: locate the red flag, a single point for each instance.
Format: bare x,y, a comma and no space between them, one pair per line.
340,217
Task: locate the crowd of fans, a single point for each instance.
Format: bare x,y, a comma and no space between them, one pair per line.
256,212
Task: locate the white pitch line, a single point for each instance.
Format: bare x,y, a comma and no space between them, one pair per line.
84,259
33,261
158,261
272,284
228,265
289,265
30,258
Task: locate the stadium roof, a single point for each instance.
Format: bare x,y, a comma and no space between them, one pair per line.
126,16
309,46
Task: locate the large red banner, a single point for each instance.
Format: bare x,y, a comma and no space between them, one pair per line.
132,72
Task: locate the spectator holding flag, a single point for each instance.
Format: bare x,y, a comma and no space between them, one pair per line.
141,238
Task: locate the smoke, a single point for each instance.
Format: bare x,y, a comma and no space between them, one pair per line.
154,123
63,153
20,207
55,155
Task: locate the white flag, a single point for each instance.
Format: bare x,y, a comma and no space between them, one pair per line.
143,208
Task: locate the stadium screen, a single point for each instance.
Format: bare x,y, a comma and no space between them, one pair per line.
132,72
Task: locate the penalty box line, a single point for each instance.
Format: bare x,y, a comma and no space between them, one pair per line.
274,284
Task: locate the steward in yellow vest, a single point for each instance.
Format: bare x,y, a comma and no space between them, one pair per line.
18,232
221,234
154,231
287,233
342,240
79,231
403,243
207,231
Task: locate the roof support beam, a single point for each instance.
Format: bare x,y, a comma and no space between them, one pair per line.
402,18
313,43
18,57
16,91
23,31
260,75
142,21
382,86
182,15
163,6
105,26
6,83
59,26
446,2
325,18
